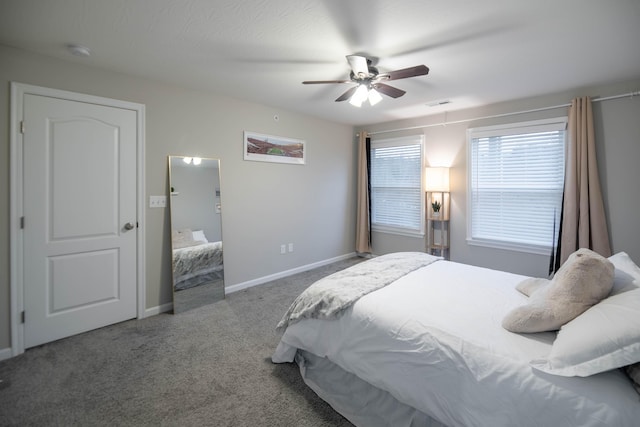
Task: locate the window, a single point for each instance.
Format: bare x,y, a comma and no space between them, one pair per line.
396,186
516,179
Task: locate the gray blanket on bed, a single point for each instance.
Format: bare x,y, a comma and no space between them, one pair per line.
329,297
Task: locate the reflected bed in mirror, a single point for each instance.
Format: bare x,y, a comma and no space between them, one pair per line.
196,232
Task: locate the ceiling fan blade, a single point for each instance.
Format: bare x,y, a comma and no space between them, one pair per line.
321,82
418,70
358,65
347,94
391,91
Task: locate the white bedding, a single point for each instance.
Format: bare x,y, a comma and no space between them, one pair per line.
433,340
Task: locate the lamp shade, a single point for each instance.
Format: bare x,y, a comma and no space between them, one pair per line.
437,179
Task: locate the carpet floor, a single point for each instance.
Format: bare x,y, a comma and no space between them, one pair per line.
210,366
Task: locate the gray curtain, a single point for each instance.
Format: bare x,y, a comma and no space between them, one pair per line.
583,223
363,214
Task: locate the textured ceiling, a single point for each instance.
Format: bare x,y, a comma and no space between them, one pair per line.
479,52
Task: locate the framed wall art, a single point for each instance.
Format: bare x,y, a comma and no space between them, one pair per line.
268,148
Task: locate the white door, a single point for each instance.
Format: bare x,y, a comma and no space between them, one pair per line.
79,198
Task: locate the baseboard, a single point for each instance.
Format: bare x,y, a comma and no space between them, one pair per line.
6,353
158,309
280,275
255,282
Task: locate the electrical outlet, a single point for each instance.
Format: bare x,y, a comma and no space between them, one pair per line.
290,247
283,249
157,201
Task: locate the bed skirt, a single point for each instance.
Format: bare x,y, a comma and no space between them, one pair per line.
355,399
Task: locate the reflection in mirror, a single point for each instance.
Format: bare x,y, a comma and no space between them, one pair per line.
196,232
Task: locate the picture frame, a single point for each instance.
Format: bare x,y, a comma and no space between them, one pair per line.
277,149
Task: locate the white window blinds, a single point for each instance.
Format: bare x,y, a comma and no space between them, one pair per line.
396,185
516,178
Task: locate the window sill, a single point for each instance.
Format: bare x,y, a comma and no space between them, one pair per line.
518,247
398,232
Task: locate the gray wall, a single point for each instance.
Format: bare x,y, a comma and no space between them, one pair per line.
265,204
617,128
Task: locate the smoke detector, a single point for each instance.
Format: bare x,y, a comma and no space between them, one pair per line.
79,50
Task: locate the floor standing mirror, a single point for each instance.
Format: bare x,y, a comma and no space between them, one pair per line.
196,232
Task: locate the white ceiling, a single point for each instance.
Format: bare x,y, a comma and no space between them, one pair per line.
478,52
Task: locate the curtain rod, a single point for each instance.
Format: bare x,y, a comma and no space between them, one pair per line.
606,98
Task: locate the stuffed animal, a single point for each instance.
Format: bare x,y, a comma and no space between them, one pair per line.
581,282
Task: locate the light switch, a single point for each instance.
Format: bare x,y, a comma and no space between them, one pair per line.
157,201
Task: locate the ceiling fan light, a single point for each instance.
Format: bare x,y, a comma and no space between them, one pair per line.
187,160
197,161
359,96
374,97
355,101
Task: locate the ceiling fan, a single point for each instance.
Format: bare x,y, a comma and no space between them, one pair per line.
369,82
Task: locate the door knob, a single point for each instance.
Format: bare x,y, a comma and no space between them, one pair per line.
129,226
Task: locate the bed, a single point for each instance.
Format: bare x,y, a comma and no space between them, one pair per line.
427,348
195,260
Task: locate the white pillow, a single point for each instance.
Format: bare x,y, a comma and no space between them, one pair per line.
199,236
605,337
627,273
181,238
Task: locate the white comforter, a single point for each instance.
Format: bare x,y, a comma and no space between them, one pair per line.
434,340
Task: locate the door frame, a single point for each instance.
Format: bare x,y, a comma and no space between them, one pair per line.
16,235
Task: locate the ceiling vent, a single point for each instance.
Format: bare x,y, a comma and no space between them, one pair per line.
439,103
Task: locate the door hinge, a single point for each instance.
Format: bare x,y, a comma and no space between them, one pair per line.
22,317
22,222
22,127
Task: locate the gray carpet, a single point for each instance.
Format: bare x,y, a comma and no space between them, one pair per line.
206,367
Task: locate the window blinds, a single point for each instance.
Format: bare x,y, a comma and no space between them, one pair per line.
516,185
396,185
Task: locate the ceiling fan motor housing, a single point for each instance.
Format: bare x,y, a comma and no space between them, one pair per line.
373,73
